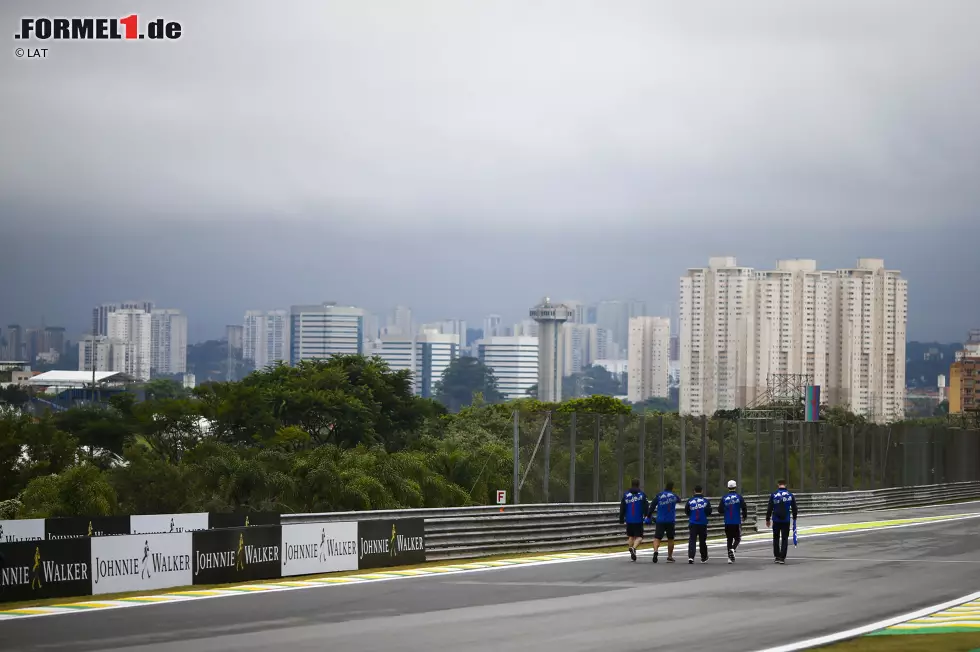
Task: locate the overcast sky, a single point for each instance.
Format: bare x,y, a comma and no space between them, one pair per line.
470,156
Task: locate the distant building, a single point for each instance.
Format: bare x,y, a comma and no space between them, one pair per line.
235,335
514,362
94,348
16,347
492,326
131,343
964,377
100,315
168,337
325,330
844,328
426,355
265,337
649,359
400,322
54,339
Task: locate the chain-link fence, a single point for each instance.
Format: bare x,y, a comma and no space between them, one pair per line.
587,457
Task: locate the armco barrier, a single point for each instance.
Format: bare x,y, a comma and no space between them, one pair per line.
464,532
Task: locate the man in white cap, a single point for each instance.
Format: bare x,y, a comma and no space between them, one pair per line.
734,509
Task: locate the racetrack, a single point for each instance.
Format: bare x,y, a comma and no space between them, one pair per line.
830,583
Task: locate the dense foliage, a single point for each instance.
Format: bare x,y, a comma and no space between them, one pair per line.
343,434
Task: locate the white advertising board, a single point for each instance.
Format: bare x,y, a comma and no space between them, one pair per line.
311,548
139,562
167,523
27,529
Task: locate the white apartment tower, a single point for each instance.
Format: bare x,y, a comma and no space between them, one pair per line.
715,328
94,349
168,341
514,362
649,358
131,342
845,328
551,348
265,338
319,332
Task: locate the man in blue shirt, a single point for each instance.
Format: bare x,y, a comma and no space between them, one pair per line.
734,509
664,511
632,510
697,509
782,505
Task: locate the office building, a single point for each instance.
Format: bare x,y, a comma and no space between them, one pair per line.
492,326
400,322
265,338
426,355
514,362
168,337
325,330
649,359
54,339
16,347
94,348
130,342
844,329
550,318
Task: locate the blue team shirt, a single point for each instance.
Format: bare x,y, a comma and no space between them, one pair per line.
700,508
782,506
667,507
636,506
731,507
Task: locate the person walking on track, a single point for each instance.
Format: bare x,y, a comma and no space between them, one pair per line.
698,508
734,509
663,509
782,506
632,510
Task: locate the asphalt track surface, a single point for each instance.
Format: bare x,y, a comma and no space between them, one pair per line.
830,583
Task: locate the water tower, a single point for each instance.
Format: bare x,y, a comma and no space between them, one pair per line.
551,348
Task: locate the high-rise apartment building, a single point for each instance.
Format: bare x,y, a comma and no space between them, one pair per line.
514,362
400,322
235,336
131,342
54,339
964,377
94,349
16,347
168,341
426,355
100,315
265,338
325,330
843,328
492,326
649,359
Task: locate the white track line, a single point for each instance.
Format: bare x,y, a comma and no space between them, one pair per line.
867,629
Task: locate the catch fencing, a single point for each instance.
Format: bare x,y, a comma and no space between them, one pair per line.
586,457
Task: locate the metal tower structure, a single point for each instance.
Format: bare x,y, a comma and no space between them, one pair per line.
783,401
551,348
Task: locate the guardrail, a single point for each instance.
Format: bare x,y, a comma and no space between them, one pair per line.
465,532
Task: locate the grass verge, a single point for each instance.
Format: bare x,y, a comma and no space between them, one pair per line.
965,642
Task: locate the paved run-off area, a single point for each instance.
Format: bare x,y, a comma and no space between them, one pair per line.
832,582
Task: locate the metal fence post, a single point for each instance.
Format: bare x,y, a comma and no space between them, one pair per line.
660,454
704,452
571,460
620,436
758,457
738,458
721,458
802,461
684,456
770,428
595,460
546,480
643,449
840,458
816,448
874,458
786,445
517,457
850,467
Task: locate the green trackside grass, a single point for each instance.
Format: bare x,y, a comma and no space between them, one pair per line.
959,642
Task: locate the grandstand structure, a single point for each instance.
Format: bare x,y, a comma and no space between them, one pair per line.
784,399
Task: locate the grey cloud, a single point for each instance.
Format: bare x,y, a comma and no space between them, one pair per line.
574,148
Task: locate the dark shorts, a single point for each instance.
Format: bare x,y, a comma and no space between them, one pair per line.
634,529
665,529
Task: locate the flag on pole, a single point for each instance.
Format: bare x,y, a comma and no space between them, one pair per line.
795,540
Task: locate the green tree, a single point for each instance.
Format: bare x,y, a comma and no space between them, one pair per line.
463,379
82,490
942,409
164,388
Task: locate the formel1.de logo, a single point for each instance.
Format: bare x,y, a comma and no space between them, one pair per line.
97,29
